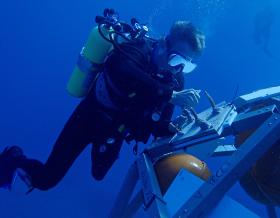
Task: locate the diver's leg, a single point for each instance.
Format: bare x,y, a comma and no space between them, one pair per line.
103,155
70,143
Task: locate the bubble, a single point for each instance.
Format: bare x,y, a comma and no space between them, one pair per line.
204,13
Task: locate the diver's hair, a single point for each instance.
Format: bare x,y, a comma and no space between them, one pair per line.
185,31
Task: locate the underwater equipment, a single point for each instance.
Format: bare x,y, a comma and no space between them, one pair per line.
109,33
169,166
262,181
89,63
190,196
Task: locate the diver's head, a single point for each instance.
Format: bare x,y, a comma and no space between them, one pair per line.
185,38
184,42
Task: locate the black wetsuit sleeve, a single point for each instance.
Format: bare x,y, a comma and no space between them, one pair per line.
161,128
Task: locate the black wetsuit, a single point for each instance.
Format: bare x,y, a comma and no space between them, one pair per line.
93,123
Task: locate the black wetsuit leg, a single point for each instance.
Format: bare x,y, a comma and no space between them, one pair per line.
88,124
103,155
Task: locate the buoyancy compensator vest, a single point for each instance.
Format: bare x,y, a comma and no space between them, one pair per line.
96,49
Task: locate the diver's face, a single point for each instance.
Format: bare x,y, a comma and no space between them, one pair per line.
183,49
181,54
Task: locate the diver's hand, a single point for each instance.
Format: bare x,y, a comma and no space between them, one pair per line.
187,98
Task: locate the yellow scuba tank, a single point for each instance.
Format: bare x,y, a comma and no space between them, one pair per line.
90,59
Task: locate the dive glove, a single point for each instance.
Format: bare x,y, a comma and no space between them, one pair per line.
187,98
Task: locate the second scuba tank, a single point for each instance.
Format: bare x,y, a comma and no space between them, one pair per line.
168,167
90,59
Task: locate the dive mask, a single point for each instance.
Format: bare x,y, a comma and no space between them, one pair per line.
176,60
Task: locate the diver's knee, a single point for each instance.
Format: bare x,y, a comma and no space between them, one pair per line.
45,184
98,174
102,165
44,187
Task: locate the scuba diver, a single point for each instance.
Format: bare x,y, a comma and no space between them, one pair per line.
263,23
130,84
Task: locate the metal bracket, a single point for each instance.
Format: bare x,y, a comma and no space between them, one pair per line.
211,192
258,110
150,186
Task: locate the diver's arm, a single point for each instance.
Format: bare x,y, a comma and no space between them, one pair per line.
186,98
161,128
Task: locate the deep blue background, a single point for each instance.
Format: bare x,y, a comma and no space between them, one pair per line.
39,44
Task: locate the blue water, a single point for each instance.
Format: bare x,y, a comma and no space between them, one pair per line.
39,44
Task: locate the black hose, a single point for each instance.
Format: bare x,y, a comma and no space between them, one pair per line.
102,35
123,52
130,46
116,45
111,40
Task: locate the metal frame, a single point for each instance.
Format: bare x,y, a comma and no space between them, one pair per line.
256,110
